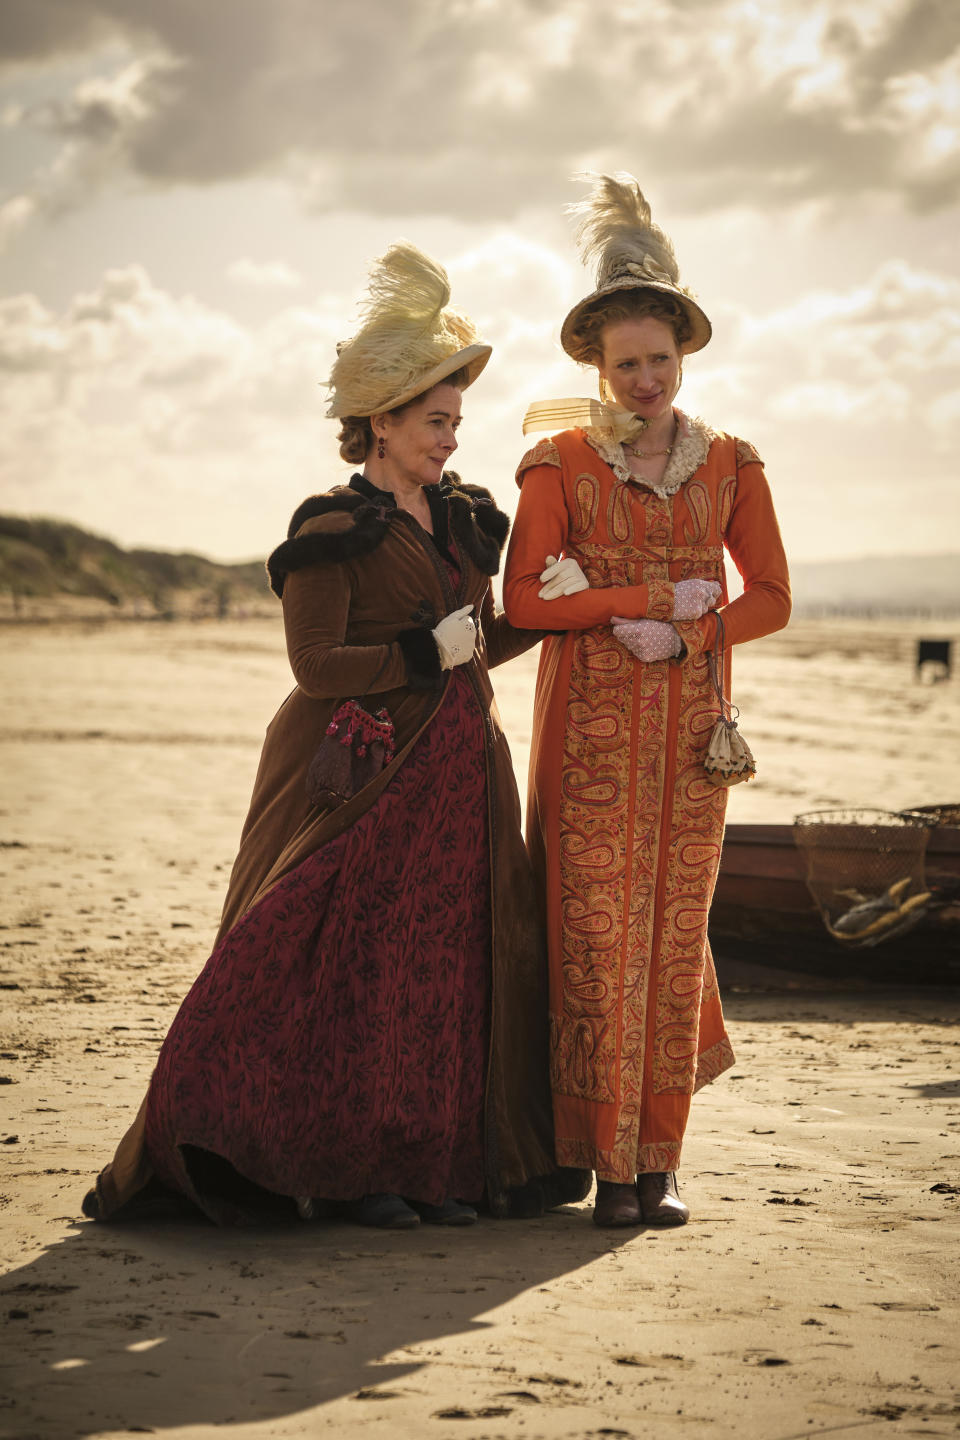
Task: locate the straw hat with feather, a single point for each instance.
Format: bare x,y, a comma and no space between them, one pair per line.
617,232
410,339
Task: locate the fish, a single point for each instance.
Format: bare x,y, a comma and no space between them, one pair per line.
855,920
874,920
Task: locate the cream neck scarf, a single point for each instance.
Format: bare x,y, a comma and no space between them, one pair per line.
618,422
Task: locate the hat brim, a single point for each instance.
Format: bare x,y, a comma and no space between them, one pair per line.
472,359
702,329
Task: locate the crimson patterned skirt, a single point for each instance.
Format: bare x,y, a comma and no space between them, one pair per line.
335,1043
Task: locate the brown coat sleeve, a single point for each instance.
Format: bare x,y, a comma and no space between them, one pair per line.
317,603
502,640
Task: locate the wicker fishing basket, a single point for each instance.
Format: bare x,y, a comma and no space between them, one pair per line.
934,815
865,869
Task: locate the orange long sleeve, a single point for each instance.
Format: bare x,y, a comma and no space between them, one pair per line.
753,540
540,529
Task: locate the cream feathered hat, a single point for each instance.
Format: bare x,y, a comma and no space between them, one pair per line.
410,339
616,231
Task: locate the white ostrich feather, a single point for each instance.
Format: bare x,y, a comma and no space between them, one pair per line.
408,328
405,283
615,230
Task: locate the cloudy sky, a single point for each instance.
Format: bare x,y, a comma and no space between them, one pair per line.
190,192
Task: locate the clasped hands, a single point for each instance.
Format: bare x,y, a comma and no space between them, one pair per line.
657,639
646,639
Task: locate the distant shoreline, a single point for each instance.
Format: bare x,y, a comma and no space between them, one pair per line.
54,614
52,571
45,611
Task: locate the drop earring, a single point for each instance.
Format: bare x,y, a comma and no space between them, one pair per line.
381,447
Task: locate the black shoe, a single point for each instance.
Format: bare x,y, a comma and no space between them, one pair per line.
616,1205
451,1212
384,1212
660,1203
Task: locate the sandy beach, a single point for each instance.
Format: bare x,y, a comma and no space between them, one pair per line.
814,1291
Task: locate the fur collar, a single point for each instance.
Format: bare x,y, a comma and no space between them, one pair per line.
694,438
363,521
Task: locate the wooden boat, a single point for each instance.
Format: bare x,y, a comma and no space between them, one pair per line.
764,913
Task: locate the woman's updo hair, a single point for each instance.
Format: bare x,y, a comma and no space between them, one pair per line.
587,346
356,438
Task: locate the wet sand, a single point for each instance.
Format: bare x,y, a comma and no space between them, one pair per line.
814,1291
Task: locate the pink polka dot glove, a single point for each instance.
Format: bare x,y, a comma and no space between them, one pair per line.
648,639
693,598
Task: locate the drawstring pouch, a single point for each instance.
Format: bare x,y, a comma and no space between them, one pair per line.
358,744
729,758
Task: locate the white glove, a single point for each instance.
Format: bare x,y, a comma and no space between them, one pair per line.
649,639
562,577
693,598
456,637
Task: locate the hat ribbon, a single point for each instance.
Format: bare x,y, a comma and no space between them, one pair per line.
648,269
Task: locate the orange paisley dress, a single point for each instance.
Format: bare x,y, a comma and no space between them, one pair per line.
623,826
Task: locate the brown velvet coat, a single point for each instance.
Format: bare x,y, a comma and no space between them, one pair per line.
362,586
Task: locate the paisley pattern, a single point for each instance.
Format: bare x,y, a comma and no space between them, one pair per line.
587,498
697,500
636,1025
747,454
335,1043
544,453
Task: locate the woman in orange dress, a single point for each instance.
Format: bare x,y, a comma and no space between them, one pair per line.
618,549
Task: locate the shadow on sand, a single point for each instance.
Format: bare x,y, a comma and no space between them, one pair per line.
142,1328
878,1004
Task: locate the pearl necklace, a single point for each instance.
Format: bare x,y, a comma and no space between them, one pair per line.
646,454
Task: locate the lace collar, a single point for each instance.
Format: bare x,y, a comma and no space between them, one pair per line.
690,448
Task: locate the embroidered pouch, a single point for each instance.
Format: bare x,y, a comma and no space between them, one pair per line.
354,750
728,759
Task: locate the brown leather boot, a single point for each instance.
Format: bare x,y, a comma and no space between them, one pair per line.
616,1204
659,1202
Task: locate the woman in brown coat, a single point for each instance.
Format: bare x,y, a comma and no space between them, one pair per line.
368,1037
